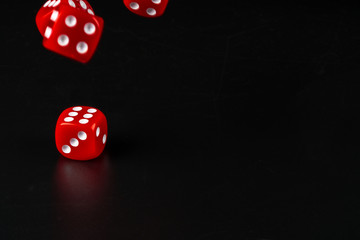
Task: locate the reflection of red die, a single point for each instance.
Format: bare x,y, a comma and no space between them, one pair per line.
147,8
70,28
81,133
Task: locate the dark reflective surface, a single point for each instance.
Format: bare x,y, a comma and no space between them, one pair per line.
81,195
226,121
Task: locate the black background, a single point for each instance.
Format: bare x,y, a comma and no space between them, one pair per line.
226,121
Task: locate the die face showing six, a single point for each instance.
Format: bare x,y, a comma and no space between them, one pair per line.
75,34
81,133
147,8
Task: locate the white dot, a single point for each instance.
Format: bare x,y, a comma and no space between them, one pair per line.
82,135
71,3
83,121
52,3
151,11
91,110
63,40
48,32
66,149
54,15
83,5
156,1
134,5
90,11
57,3
47,3
73,114
88,115
77,108
74,142
104,138
70,21
69,119
98,131
89,28
82,47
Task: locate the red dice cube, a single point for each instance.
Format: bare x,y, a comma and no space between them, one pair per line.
147,8
70,28
81,133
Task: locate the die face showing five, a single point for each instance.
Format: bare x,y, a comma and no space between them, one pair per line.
81,133
147,8
75,34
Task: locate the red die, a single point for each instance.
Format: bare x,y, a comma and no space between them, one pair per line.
49,12
70,28
147,8
81,133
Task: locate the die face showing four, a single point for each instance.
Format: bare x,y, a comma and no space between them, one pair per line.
147,8
48,13
75,34
76,37
81,133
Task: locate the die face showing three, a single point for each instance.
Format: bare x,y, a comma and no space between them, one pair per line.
147,8
70,28
81,133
